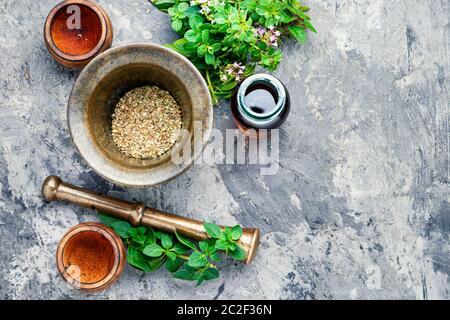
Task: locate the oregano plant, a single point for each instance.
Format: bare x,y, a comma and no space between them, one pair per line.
148,249
227,39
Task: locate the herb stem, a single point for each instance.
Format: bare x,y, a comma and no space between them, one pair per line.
209,265
211,89
184,257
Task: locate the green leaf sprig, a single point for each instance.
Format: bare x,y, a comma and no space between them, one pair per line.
148,250
226,39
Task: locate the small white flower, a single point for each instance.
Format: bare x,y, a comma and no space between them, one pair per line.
206,9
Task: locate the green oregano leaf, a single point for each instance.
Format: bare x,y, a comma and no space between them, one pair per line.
223,236
199,279
171,255
139,238
215,257
122,228
201,50
210,274
298,33
183,6
309,25
137,259
177,25
186,273
163,4
166,241
221,245
205,36
195,21
174,265
108,220
185,241
209,58
232,245
156,263
172,11
132,232
212,230
197,259
238,253
150,236
191,36
236,232
180,248
227,230
228,86
159,234
204,246
153,250
141,230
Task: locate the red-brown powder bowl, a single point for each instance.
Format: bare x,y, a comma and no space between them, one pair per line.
91,256
76,31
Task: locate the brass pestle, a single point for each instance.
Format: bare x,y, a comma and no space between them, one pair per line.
54,188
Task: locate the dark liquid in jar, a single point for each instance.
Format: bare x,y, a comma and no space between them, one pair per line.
261,99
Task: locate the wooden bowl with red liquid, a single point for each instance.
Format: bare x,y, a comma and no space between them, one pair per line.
91,256
76,31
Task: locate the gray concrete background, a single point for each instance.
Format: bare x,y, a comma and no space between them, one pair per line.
363,188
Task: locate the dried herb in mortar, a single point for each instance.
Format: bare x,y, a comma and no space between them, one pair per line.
146,122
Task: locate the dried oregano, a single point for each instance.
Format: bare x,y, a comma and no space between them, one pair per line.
146,122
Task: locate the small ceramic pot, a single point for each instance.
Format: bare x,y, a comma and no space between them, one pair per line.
76,31
91,256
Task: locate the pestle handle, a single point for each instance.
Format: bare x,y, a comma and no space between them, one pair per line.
53,188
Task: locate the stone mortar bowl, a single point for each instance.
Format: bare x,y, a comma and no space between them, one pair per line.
105,80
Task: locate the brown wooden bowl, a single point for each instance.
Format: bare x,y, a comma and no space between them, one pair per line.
74,48
91,256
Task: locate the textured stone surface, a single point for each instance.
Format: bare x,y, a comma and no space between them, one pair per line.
363,188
